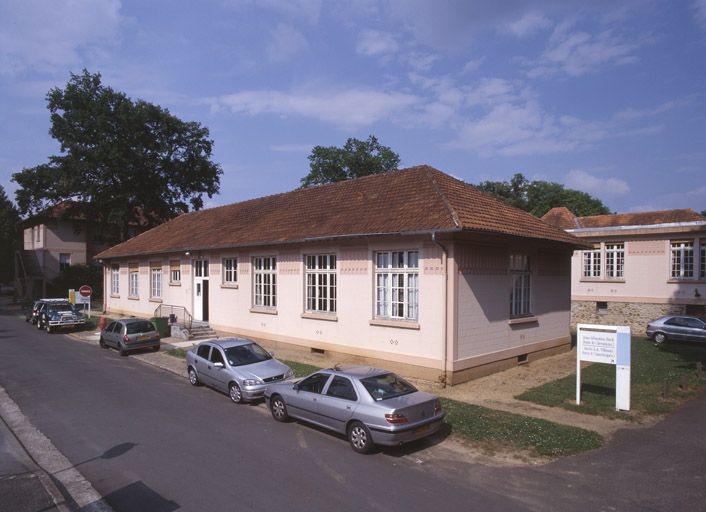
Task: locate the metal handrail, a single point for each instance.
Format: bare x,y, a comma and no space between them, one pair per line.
182,314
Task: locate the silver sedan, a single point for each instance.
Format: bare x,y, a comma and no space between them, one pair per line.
237,366
369,405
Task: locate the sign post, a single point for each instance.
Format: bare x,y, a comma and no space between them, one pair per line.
84,297
606,344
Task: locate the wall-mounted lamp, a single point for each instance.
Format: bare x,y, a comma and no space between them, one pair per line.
696,293
187,253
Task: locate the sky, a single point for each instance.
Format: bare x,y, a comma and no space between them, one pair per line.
605,97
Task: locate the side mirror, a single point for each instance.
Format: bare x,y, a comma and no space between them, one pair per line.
296,387
219,365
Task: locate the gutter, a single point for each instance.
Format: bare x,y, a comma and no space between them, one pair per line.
696,223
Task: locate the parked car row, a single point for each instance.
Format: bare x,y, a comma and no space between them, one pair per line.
53,314
369,406
677,328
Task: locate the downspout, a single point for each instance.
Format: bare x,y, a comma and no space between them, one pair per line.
446,304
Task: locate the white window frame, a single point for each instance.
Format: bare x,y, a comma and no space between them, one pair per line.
592,263
320,283
175,272
264,282
230,270
521,286
115,279
397,284
134,282
615,260
156,283
681,259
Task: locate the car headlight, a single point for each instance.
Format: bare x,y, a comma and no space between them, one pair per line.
252,382
289,374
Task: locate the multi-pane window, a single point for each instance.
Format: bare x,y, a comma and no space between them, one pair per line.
175,272
230,270
702,259
520,293
682,255
265,281
201,268
592,263
397,284
321,283
156,282
133,279
115,279
64,261
614,260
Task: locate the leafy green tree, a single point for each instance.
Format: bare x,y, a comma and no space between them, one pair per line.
9,237
76,276
355,159
119,158
538,197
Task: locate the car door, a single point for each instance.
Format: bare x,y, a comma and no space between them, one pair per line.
337,403
220,375
112,335
675,328
696,329
304,400
202,364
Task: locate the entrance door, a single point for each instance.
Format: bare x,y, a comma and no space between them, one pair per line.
201,290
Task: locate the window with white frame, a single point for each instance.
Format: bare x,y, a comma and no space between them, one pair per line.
133,280
614,260
682,256
320,270
156,282
230,270
520,275
175,272
265,281
64,260
592,263
397,284
115,279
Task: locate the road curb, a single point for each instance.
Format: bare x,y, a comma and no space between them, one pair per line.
51,463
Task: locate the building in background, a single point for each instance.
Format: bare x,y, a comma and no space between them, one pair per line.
641,266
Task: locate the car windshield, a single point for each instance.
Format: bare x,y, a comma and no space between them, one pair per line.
388,385
61,307
143,326
246,354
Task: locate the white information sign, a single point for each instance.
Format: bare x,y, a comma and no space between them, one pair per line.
606,344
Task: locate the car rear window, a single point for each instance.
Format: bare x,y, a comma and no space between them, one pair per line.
388,385
143,326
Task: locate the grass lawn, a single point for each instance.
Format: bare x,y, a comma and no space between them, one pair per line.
661,378
177,352
301,369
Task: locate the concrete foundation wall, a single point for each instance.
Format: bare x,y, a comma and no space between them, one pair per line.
634,314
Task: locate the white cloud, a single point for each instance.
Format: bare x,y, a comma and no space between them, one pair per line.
375,43
527,25
54,35
473,65
631,114
585,182
699,7
577,53
286,42
348,108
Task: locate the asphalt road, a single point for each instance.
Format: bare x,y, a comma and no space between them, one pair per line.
147,440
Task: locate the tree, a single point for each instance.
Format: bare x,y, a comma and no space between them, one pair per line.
355,159
75,276
538,197
119,159
9,237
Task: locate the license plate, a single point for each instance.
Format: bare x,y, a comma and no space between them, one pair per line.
142,337
421,429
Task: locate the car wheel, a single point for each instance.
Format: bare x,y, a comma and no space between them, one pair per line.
235,394
193,378
102,343
660,338
39,325
360,438
278,408
122,350
48,328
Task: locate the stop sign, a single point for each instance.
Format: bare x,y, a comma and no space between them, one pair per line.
85,291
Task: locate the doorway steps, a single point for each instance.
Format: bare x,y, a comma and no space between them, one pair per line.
201,331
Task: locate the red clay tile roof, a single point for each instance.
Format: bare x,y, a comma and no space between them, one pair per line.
639,219
561,217
414,200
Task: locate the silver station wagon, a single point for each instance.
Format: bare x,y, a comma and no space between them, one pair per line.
237,366
369,405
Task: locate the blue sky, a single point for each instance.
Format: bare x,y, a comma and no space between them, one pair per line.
608,98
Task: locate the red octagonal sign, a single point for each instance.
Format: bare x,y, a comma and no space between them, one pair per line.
85,291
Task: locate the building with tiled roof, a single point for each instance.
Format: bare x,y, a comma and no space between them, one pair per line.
411,269
641,266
